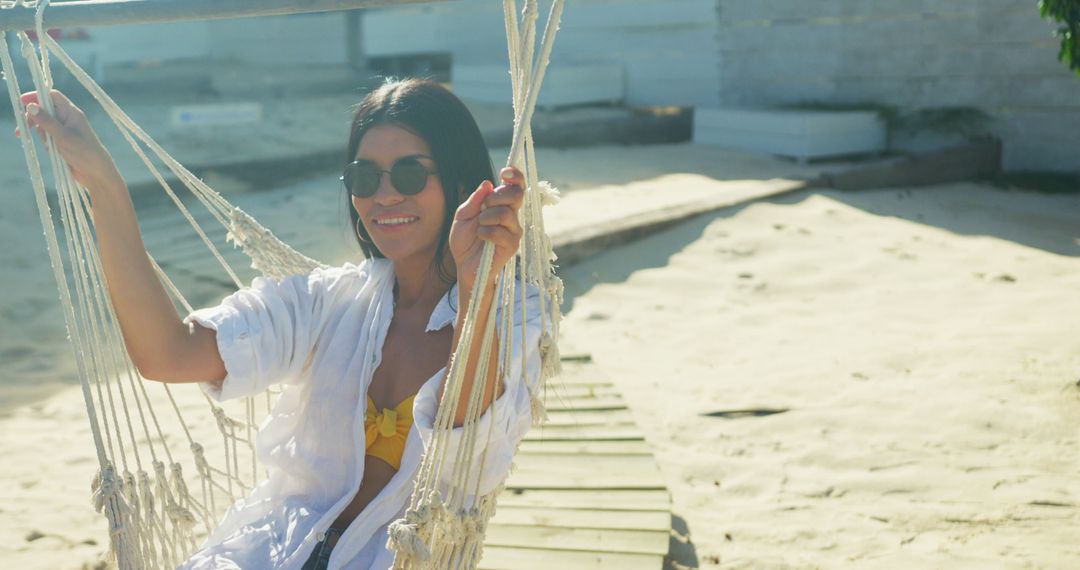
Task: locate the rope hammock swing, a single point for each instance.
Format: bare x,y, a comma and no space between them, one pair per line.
156,513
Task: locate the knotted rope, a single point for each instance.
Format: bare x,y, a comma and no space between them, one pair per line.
423,541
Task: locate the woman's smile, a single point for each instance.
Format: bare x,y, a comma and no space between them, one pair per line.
394,222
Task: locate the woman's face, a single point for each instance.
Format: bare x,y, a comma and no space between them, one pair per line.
402,227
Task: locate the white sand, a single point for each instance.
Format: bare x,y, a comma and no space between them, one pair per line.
932,400
929,370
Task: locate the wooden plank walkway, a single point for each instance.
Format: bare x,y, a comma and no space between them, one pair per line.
586,492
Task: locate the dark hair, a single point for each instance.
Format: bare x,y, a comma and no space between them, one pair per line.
436,115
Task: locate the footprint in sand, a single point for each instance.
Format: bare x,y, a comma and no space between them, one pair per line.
746,281
900,254
737,251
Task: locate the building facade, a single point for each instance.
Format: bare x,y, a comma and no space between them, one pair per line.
996,56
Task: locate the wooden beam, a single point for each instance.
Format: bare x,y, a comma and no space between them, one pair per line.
602,432
587,539
555,403
518,558
587,418
573,471
642,520
82,13
607,500
583,448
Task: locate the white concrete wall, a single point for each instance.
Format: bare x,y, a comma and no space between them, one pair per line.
295,39
996,55
667,48
151,42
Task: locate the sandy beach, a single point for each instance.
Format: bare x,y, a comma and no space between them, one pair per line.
882,379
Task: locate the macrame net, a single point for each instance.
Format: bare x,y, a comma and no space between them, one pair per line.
160,491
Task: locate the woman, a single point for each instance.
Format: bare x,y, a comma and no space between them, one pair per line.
361,350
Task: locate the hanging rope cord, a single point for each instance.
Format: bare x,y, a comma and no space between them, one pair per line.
152,519
140,535
443,532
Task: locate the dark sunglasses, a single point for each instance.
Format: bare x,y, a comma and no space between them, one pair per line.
362,177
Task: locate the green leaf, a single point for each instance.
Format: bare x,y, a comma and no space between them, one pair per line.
1066,13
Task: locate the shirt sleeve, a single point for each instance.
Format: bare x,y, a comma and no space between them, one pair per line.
265,332
505,422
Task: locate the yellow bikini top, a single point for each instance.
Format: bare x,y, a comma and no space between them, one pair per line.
387,431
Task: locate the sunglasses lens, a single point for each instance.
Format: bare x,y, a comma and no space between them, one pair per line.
361,179
409,177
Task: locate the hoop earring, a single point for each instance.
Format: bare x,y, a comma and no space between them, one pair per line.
360,236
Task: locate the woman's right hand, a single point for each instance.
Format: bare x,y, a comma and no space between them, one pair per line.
160,344
91,165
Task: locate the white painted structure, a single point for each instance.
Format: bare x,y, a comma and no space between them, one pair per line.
315,39
803,135
297,39
148,43
996,55
564,85
667,49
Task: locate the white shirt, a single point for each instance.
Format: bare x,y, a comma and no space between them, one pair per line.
320,335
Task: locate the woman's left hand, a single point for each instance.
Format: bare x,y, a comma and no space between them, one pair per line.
490,214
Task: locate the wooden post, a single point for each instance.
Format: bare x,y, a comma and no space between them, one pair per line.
84,13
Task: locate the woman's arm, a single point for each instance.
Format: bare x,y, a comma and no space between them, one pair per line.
506,424
160,345
490,214
490,383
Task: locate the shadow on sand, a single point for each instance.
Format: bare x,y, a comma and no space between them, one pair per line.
1050,222
617,264
681,551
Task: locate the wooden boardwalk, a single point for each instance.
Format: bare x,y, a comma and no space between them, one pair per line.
586,491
